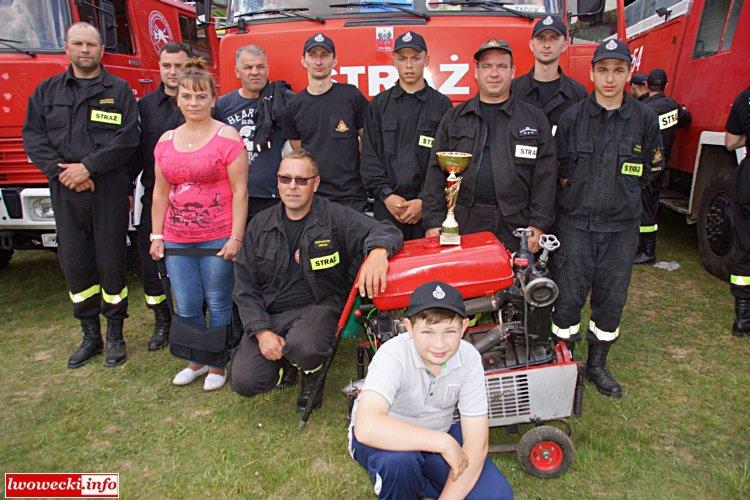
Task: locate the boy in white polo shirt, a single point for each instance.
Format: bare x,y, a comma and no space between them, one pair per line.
402,429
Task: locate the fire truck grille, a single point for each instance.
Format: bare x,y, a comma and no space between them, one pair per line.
508,396
15,168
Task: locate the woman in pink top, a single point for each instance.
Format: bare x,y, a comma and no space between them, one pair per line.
200,201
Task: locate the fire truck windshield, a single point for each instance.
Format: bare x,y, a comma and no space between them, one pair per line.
277,10
34,26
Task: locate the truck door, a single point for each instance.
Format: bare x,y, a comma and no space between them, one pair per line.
123,55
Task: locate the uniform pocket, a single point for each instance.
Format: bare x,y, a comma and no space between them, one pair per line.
103,123
524,149
267,265
388,130
341,126
57,112
460,139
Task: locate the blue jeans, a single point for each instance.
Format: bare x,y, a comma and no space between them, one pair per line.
199,279
416,474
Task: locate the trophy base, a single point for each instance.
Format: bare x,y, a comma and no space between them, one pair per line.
450,238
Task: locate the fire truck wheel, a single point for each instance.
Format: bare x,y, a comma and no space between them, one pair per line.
5,256
545,451
716,225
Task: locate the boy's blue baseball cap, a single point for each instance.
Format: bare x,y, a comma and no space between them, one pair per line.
436,294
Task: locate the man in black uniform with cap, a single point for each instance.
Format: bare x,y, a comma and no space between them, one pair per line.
158,112
400,128
671,117
326,119
546,86
511,180
607,146
738,130
80,130
293,274
638,87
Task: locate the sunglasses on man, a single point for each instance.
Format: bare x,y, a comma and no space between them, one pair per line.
300,181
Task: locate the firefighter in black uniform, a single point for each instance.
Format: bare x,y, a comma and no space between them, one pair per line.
511,180
293,274
738,130
80,130
607,146
638,86
400,127
546,86
671,117
159,113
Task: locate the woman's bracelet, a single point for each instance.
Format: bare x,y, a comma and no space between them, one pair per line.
235,239
153,237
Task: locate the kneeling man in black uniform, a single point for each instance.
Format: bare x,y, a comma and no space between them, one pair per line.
292,276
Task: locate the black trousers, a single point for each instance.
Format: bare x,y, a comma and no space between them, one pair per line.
599,263
650,202
410,231
488,217
309,334
92,247
152,288
740,270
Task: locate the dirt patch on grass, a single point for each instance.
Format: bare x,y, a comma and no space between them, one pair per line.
200,412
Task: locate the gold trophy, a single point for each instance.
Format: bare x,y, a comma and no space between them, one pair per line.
453,163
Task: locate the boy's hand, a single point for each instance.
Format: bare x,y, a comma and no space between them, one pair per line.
455,456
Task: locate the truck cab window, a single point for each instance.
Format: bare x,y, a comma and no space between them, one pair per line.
592,28
117,29
716,20
33,26
195,39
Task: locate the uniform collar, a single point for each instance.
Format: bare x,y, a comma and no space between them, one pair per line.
625,109
473,106
565,87
420,94
104,77
163,96
453,362
317,214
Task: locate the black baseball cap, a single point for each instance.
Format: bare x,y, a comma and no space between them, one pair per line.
410,40
552,23
436,294
319,40
638,79
657,78
493,44
612,49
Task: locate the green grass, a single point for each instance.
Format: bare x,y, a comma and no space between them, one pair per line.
681,431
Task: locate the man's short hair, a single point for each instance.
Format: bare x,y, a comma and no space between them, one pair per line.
254,50
175,48
435,315
301,154
83,24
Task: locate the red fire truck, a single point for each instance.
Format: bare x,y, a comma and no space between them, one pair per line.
704,46
31,49
364,33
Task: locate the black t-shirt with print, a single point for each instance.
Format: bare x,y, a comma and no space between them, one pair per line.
327,125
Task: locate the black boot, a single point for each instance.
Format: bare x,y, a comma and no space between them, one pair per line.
91,346
647,252
289,375
596,370
162,322
115,344
309,381
741,325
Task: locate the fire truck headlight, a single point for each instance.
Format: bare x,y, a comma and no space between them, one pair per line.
42,208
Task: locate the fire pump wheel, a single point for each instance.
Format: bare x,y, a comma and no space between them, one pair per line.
545,451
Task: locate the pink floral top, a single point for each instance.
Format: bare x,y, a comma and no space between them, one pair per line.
200,201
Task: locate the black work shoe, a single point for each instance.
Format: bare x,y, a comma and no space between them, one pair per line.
596,370
91,346
289,375
115,348
647,252
309,381
741,324
162,322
